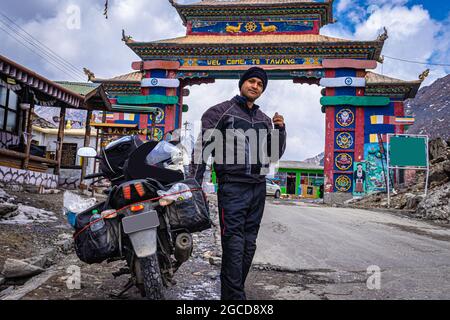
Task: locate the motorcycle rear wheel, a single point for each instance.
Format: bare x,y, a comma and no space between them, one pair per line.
153,284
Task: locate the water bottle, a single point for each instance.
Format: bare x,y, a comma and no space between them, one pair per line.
97,225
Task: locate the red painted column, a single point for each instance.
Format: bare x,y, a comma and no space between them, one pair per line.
359,123
399,111
143,118
170,110
329,138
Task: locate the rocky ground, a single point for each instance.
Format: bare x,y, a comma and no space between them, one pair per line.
37,257
410,199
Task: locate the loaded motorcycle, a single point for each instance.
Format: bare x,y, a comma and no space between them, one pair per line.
148,217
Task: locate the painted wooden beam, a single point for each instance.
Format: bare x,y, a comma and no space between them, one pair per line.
140,100
159,82
343,82
349,63
131,109
155,64
354,101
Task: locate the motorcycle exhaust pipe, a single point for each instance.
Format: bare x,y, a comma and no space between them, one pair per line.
183,247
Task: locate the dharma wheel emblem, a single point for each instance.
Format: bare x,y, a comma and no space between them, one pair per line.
343,183
250,27
343,161
345,117
158,134
348,81
154,82
344,140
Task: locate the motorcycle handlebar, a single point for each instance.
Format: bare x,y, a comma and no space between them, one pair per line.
94,175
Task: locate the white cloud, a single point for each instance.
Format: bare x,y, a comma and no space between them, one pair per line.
96,44
413,35
343,5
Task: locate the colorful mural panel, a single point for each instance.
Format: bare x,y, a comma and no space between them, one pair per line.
375,168
359,179
250,27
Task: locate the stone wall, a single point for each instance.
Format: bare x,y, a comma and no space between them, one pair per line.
7,139
69,178
331,198
27,177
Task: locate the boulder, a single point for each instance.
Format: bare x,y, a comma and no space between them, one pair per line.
437,148
8,210
412,201
14,268
436,206
440,172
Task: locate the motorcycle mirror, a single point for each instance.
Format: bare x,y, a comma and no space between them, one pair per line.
87,152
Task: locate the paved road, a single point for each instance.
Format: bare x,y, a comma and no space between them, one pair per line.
331,249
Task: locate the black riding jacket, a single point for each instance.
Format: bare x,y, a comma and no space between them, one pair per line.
234,118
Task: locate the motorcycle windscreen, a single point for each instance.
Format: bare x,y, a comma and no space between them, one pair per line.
137,167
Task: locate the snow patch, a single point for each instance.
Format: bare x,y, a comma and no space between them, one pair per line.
29,214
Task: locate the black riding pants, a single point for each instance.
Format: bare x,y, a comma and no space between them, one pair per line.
241,207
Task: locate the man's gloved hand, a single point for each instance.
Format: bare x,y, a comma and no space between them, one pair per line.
278,121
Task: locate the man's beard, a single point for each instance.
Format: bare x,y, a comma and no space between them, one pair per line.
249,99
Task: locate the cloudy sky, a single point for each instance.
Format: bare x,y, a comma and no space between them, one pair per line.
78,32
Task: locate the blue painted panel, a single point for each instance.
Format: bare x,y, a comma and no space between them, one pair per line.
344,140
377,128
161,117
239,27
157,73
177,116
345,91
345,73
158,90
343,182
344,117
343,161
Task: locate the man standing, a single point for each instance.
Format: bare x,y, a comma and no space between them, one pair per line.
240,168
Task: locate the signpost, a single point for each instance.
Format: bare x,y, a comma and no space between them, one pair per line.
407,151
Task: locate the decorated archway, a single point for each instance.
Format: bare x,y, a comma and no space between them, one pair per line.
224,38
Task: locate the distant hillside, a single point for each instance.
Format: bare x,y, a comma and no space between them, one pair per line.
431,109
318,160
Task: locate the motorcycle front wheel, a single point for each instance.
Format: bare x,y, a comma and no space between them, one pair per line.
151,273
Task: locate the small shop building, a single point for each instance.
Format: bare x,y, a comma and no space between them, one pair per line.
300,178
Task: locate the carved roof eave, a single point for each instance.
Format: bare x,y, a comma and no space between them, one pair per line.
376,45
112,81
327,5
404,89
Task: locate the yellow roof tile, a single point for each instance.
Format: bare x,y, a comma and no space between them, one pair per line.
372,78
133,76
